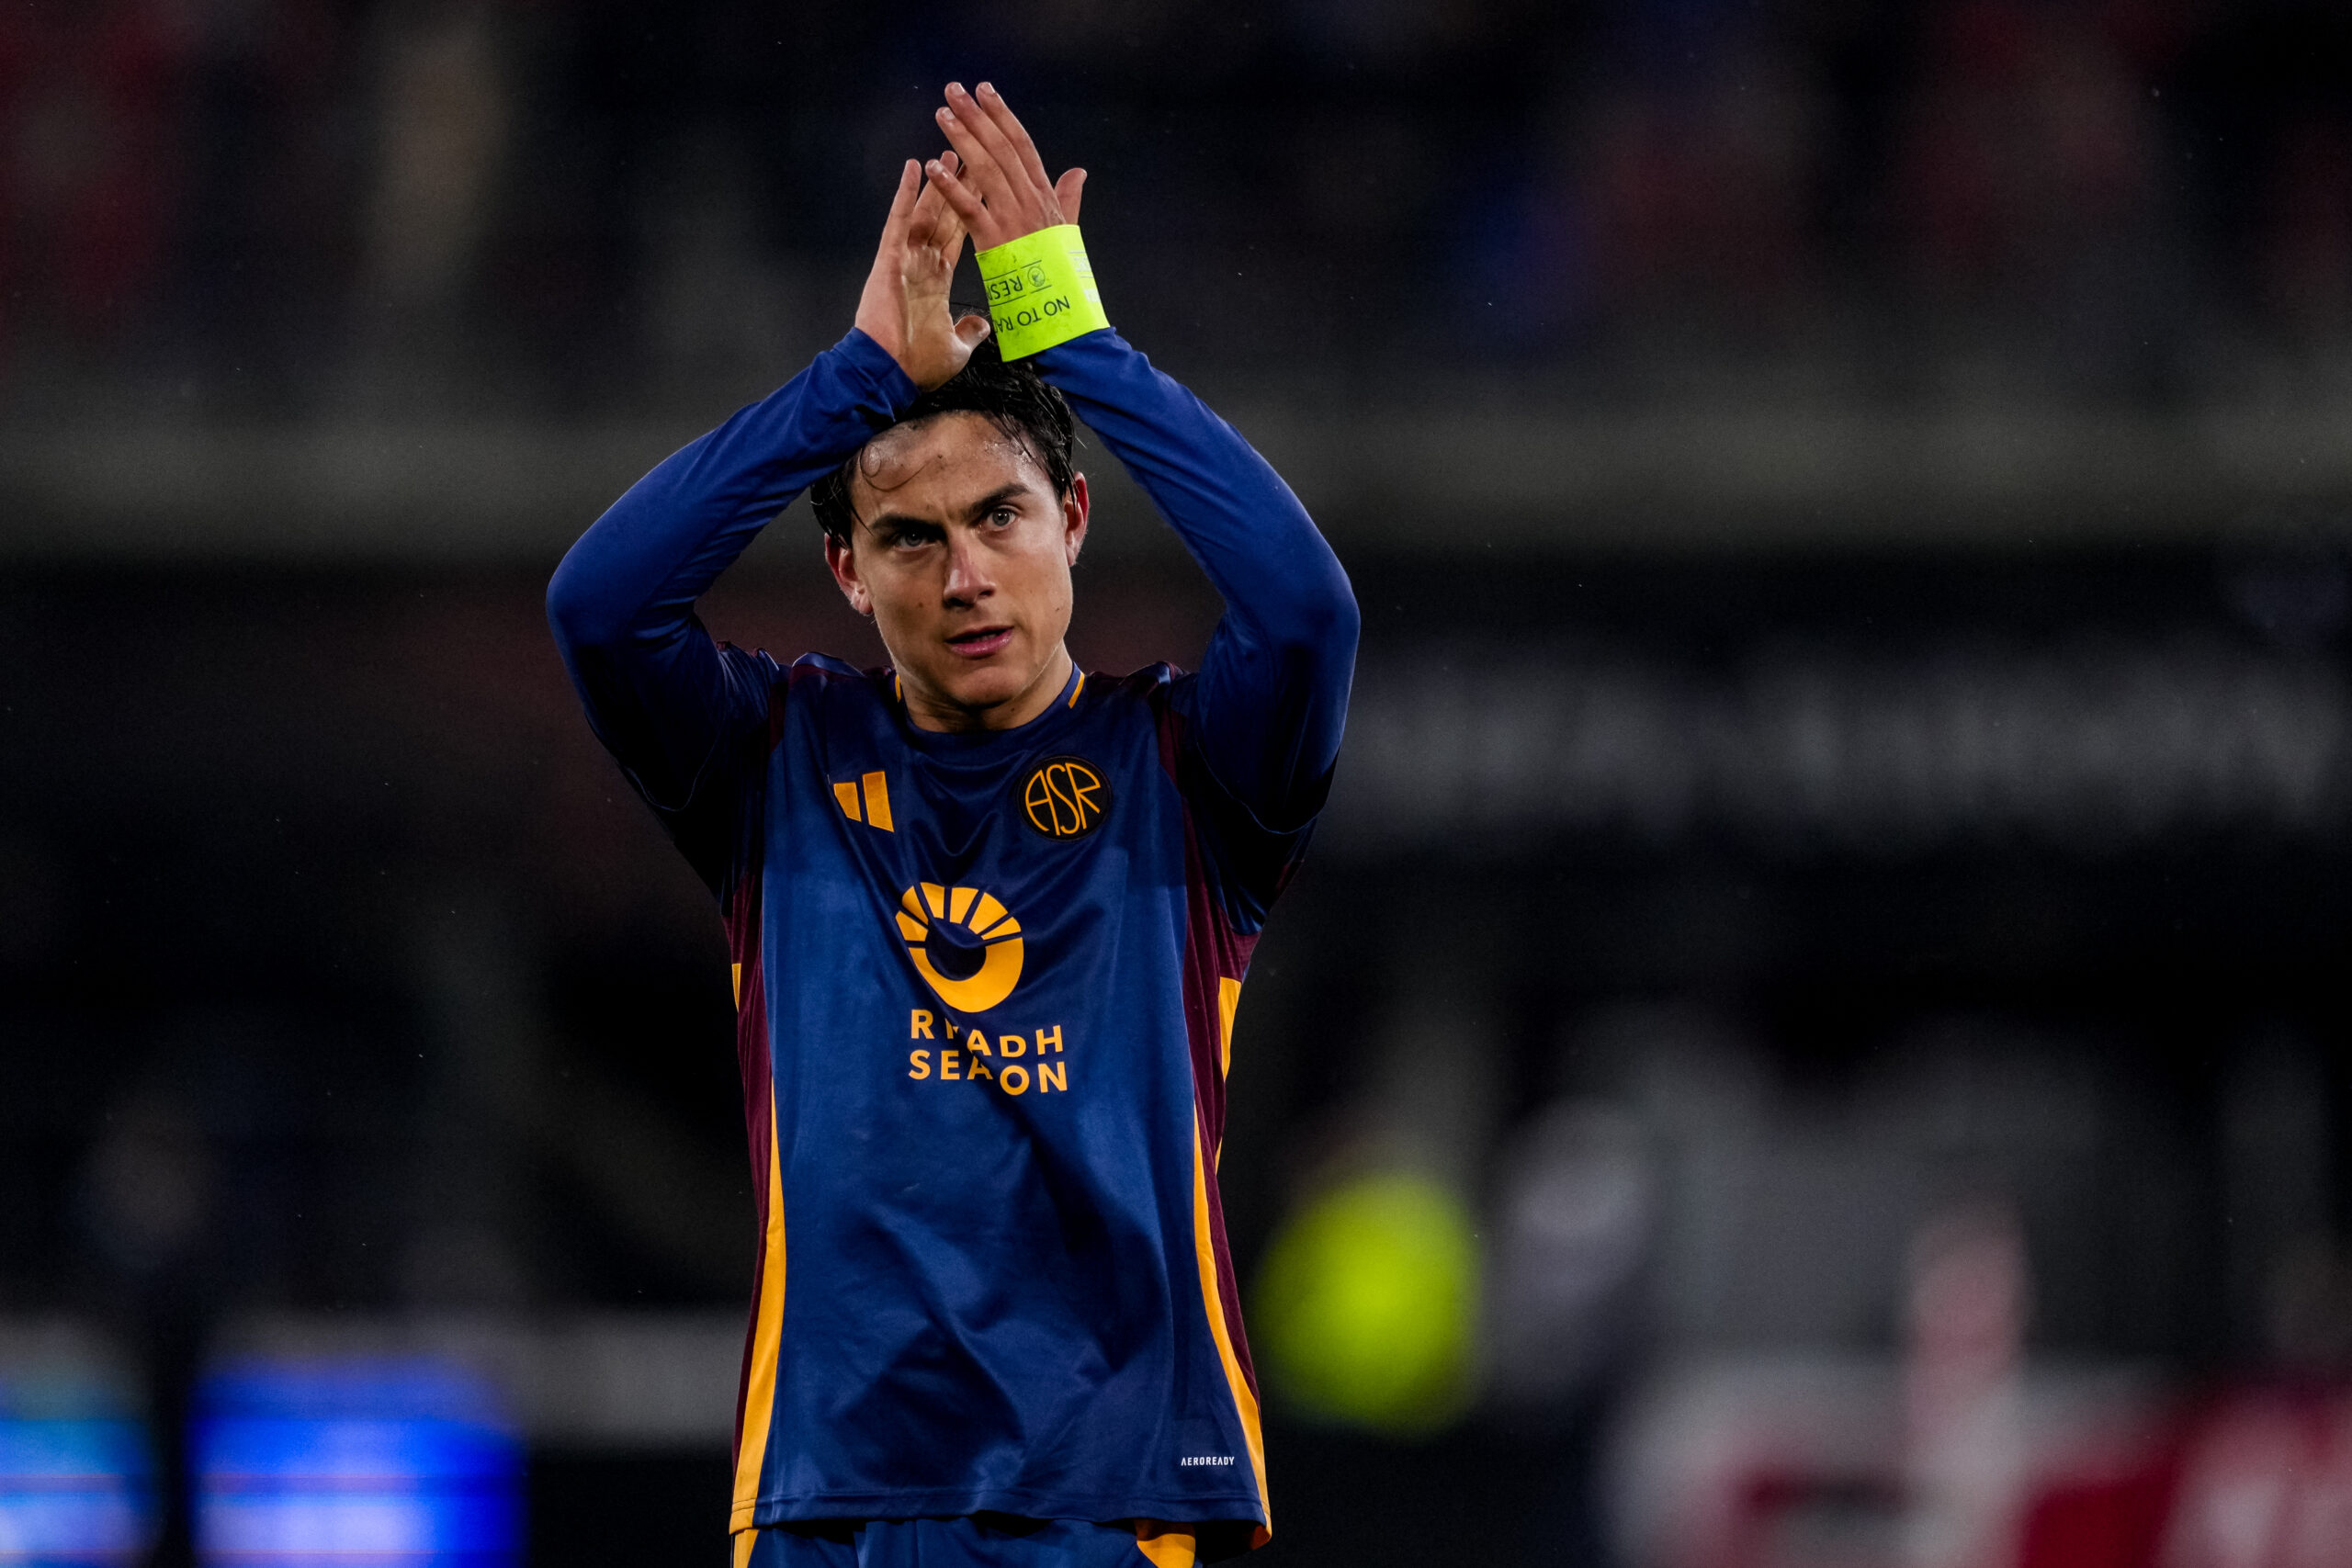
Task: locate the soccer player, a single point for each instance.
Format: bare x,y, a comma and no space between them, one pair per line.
989,913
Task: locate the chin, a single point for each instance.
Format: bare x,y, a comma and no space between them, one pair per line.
985,687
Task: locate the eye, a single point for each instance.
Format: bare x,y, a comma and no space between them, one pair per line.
1002,517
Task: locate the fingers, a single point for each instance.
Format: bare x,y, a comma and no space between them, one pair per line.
903,204
881,313
935,242
934,222
982,171
967,202
1025,179
992,178
999,115
943,238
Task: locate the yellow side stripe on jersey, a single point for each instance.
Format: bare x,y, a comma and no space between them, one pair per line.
1228,1002
767,1343
1166,1546
1245,1404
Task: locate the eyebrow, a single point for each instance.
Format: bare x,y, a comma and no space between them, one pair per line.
980,508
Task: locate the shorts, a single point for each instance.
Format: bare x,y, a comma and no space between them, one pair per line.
980,1541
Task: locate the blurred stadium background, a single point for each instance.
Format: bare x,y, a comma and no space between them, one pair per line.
1808,1037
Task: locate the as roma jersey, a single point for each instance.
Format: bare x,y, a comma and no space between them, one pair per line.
987,984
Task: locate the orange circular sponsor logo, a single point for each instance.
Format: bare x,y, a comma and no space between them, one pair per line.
966,945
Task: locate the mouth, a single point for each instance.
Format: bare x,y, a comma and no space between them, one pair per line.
980,641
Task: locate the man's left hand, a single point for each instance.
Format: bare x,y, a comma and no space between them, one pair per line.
1002,191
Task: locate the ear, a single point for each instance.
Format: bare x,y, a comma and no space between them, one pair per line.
1074,515
843,561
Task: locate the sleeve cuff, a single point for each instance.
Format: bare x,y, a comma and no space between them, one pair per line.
1076,351
872,364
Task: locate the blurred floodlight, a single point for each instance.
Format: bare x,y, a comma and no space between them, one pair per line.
395,1462
1365,1304
76,1479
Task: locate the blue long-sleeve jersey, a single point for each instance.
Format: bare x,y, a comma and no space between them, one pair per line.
985,981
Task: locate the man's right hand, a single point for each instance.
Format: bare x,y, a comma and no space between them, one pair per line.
904,307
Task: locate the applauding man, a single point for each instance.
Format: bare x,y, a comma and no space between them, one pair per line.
989,913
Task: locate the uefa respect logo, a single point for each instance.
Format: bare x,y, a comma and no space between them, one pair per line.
964,944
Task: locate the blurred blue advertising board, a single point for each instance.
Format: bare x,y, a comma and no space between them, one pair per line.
76,1475
391,1461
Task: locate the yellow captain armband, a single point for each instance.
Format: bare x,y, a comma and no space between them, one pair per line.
1041,291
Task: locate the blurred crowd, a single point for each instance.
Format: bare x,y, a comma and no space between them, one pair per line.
547,207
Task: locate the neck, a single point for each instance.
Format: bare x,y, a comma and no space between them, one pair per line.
934,711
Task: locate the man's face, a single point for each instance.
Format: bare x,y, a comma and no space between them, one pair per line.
962,554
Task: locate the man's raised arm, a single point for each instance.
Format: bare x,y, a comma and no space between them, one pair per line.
661,695
1272,692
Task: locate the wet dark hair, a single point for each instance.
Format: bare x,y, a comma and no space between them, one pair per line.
1013,398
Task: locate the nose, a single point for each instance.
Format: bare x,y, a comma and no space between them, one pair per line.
967,576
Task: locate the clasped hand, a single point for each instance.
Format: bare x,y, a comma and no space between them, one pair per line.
989,184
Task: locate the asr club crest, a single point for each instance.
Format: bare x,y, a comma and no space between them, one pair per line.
1064,798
